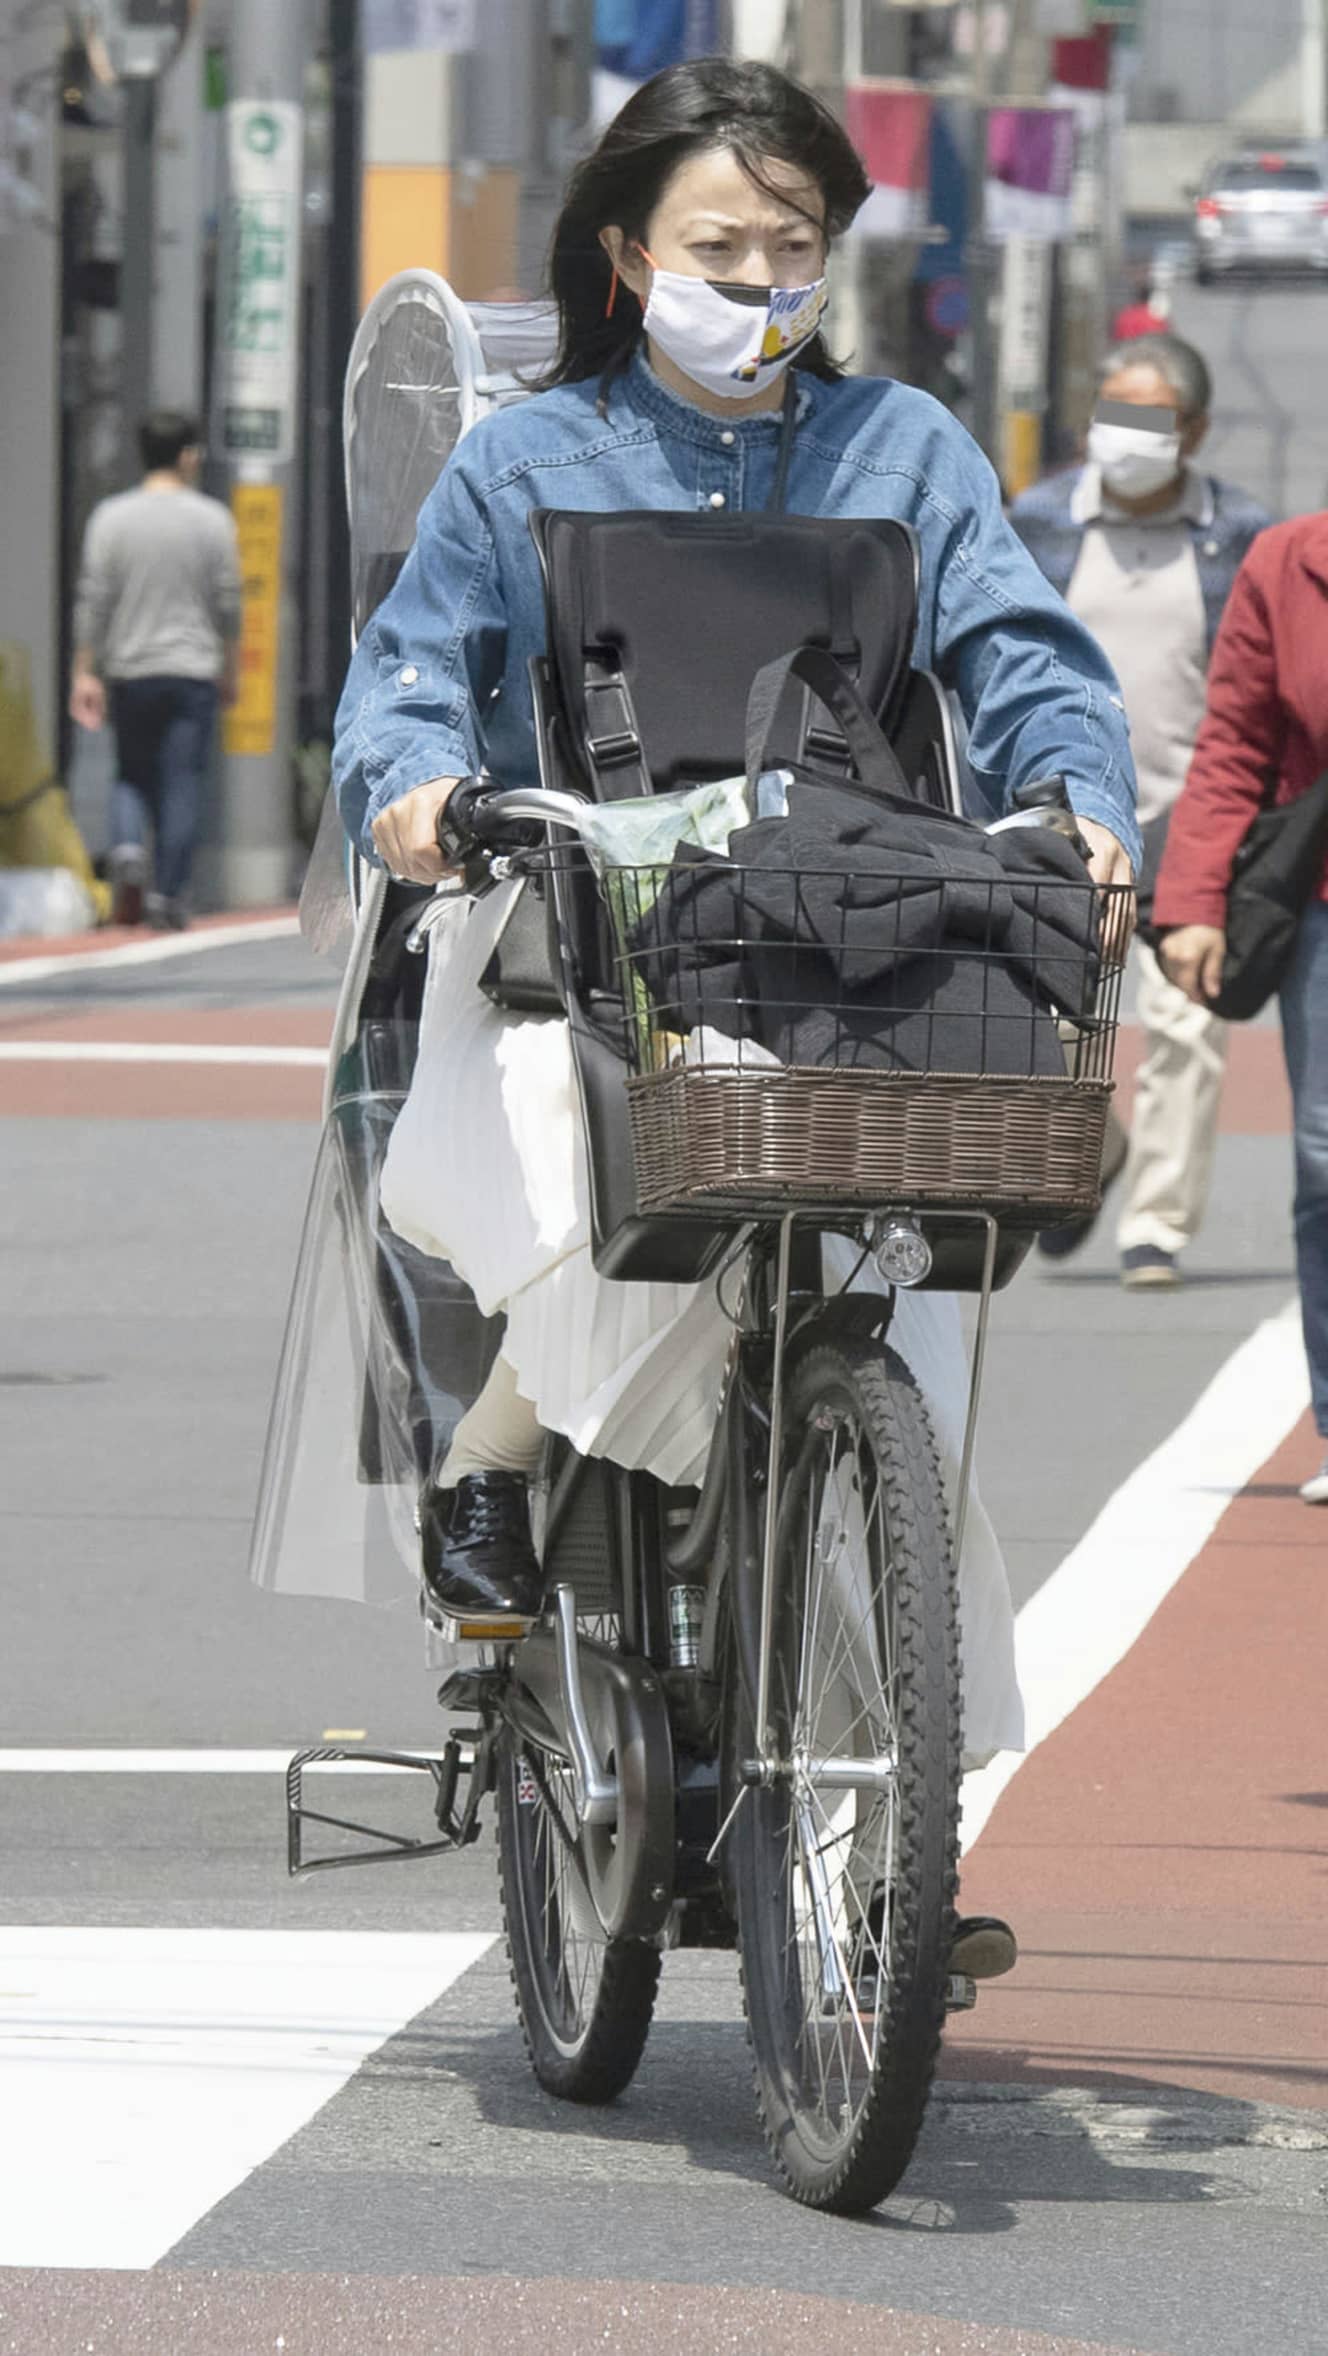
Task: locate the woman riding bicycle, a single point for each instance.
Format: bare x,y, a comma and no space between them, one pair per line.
688,266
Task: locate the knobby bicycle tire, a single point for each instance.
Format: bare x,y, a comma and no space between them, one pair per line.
845,1902
585,2016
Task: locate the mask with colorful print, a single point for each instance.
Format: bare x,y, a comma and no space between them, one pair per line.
731,340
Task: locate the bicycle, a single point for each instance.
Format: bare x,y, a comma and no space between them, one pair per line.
740,1720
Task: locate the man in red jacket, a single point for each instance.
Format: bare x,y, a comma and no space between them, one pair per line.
1265,737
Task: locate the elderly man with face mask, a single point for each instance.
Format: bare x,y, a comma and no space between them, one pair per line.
1144,547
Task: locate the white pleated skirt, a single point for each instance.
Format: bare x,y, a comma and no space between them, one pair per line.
487,1168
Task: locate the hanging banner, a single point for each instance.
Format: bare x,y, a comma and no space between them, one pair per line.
250,724
1030,168
260,292
441,25
891,130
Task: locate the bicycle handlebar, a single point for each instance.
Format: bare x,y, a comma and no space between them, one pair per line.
480,815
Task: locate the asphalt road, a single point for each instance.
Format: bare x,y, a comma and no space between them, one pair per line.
306,2106
146,1265
1266,346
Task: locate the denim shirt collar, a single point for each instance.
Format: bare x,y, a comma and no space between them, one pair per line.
682,419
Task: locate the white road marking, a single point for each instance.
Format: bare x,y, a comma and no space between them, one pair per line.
200,1762
145,2073
153,1051
190,944
1086,1616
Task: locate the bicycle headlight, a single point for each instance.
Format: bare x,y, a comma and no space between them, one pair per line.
901,1251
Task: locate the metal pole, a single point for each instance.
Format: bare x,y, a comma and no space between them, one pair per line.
257,436
137,266
177,328
981,340
344,300
1314,67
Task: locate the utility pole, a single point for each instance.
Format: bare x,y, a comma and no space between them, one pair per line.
137,264
177,245
256,431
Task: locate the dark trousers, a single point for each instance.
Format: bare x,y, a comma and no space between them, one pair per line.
164,731
1305,1038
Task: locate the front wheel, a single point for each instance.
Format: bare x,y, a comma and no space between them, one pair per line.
844,1865
585,2000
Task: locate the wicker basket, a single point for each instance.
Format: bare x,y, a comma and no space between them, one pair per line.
759,1140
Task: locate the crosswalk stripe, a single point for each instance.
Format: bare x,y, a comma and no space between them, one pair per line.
157,1051
145,2073
74,1761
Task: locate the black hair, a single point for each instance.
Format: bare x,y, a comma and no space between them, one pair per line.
164,436
755,112
1178,363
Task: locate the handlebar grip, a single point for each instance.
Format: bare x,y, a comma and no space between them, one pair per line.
1042,793
460,821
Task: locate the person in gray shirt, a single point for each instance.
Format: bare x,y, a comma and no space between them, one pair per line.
1144,546
156,645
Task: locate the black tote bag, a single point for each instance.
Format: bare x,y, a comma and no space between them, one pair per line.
1276,874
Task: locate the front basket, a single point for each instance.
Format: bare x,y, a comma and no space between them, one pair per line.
761,1141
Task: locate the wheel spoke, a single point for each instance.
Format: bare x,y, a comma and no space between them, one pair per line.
838,1865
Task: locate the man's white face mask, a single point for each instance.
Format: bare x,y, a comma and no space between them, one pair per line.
1136,449
731,340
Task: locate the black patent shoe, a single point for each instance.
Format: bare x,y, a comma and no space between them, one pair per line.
476,1553
983,1947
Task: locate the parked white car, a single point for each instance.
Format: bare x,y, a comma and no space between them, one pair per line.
1261,213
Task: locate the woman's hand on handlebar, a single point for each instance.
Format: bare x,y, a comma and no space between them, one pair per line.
1109,863
406,833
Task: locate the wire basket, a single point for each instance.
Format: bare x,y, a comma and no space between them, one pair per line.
866,1035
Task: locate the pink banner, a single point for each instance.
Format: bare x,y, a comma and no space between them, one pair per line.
891,130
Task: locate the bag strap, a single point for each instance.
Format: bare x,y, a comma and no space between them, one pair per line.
874,757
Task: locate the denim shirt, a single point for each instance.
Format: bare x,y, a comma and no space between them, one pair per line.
438,685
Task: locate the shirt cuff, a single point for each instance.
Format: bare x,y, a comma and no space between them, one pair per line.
1093,801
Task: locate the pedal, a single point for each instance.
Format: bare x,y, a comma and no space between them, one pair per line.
961,1993
499,1628
472,1627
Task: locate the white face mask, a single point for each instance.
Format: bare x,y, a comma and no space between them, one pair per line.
732,340
1134,460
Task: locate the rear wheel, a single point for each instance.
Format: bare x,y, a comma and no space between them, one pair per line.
585,2001
845,1889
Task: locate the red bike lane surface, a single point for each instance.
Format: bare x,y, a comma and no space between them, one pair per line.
1255,1102
219,2314
1164,1854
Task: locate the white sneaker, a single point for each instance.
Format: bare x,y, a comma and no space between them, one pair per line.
1315,1491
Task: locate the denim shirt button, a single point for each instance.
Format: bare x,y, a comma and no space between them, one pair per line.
717,499
728,437
409,677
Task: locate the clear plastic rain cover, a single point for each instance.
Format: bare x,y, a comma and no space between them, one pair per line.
385,1347
410,395
384,1350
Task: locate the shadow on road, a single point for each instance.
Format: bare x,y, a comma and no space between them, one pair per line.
985,2151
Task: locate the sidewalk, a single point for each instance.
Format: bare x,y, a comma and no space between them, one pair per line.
1163,1853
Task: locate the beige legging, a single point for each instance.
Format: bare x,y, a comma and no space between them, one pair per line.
500,1433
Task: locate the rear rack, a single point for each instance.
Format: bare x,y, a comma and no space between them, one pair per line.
458,1827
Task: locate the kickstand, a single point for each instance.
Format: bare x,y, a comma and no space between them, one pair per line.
458,1828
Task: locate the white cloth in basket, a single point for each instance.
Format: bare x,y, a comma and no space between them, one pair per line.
486,1168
